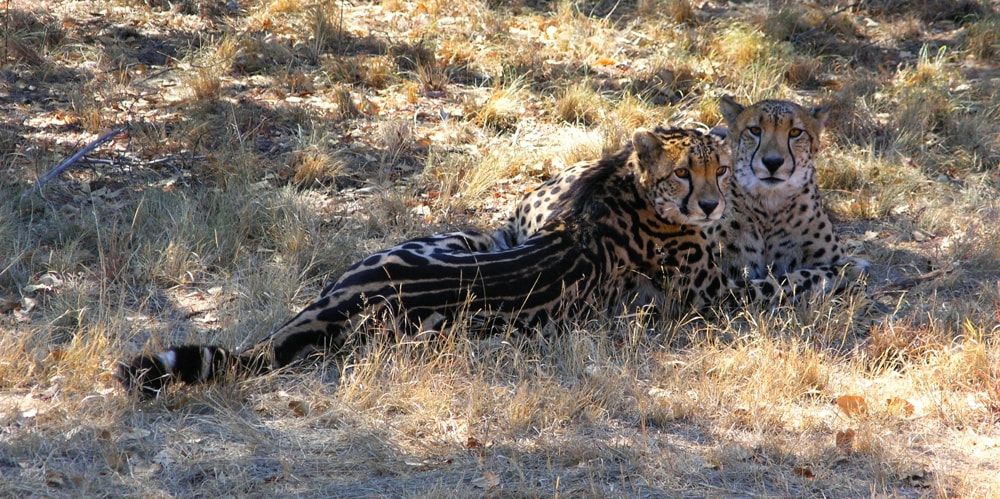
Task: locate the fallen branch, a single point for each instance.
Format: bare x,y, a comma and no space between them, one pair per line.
53,173
172,157
98,161
13,261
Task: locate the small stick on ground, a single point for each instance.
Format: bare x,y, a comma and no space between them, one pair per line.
53,173
909,282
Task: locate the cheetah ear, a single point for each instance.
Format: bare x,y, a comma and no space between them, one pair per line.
820,114
730,109
719,133
646,143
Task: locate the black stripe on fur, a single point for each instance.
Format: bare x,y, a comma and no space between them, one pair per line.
146,375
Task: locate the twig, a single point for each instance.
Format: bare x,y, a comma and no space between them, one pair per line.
612,11
99,161
13,261
53,173
909,282
172,157
160,72
6,32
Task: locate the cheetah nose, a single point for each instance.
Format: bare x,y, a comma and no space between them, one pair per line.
773,163
708,206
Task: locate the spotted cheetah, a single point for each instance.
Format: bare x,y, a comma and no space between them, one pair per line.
541,206
634,214
777,223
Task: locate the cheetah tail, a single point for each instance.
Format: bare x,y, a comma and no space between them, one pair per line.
148,374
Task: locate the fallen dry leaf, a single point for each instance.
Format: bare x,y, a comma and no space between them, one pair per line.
605,61
544,23
845,441
368,107
899,406
852,404
23,313
56,355
803,471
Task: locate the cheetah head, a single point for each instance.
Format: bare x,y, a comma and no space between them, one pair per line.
684,174
773,143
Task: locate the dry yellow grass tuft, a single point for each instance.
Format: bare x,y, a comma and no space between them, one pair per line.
579,104
311,162
326,33
271,143
501,109
982,38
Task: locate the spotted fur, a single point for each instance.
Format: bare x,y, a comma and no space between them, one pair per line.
774,241
632,215
777,223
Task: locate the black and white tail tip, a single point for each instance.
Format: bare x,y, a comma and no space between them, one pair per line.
147,375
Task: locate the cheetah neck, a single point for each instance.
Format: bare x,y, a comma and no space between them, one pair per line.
770,201
635,226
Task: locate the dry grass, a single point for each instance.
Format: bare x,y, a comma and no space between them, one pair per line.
312,162
270,147
579,104
501,109
982,38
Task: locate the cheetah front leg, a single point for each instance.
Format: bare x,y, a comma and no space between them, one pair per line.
824,279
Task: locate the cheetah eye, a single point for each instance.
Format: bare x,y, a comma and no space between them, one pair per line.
682,173
721,171
795,132
755,131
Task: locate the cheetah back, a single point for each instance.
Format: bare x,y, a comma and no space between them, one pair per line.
622,213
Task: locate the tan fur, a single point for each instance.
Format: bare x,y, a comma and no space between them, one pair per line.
707,163
774,238
627,220
777,223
